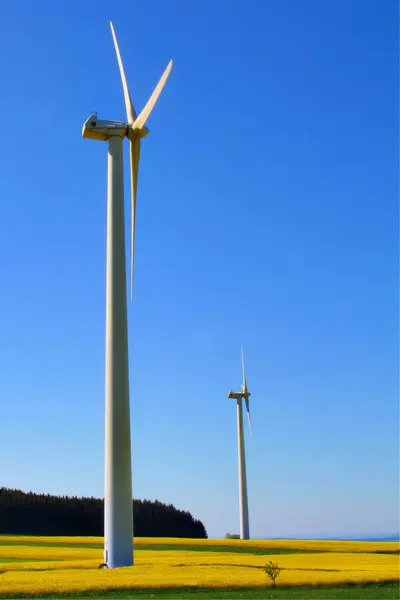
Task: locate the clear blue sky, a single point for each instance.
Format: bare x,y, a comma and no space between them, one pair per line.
267,216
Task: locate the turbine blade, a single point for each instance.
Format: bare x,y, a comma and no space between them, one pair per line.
248,416
244,376
134,159
144,115
130,111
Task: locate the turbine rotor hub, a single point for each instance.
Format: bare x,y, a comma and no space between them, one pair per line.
134,134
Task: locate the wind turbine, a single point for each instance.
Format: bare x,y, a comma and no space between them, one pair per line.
118,513
243,502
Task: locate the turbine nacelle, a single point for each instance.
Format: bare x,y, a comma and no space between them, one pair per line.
98,129
244,394
235,395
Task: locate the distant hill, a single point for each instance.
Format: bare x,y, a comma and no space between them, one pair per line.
369,537
392,537
395,537
43,514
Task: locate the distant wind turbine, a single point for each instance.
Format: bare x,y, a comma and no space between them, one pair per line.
118,513
243,501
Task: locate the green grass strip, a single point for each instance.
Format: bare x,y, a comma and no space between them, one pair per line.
383,591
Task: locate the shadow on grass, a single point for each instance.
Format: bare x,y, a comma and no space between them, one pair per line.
18,559
260,567
190,548
177,566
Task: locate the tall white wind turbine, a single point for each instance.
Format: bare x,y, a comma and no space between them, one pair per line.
243,500
118,512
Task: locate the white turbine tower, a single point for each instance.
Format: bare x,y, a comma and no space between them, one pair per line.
118,513
243,501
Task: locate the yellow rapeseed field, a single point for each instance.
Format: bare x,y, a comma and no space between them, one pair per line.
53,569
318,545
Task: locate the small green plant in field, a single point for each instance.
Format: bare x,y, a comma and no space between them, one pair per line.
232,536
272,570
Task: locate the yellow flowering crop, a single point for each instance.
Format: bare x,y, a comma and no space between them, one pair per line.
315,545
161,576
59,569
49,552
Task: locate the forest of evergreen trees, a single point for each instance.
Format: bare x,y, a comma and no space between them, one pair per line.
42,514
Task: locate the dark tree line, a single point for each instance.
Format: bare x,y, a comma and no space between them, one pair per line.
42,514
